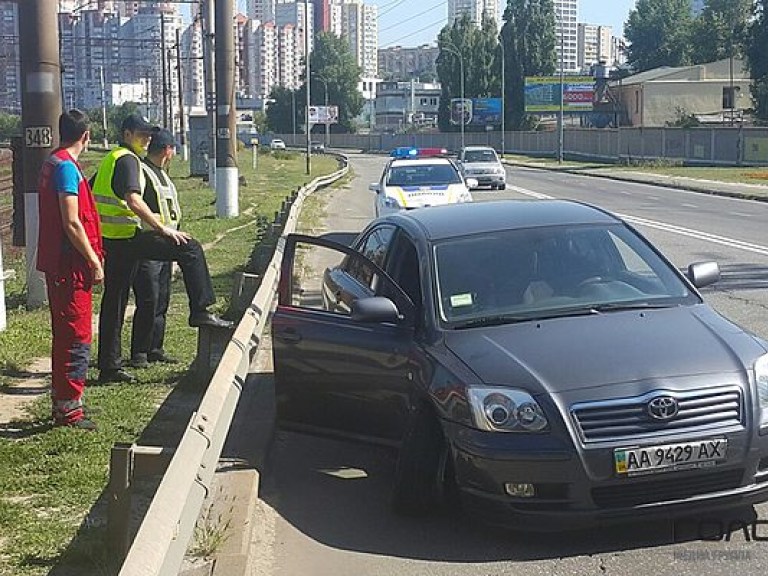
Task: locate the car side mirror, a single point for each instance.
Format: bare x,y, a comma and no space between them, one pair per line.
375,309
703,273
374,187
472,183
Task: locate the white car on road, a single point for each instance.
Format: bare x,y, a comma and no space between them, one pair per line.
418,182
482,164
277,144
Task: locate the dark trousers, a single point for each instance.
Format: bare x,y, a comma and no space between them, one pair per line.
120,263
152,293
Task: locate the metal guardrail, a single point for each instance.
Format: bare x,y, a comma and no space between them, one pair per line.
164,535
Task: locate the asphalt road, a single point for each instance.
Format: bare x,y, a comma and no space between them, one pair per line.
324,509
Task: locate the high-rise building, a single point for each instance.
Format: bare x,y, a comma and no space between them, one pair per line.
193,75
10,71
357,23
566,33
398,63
477,10
322,15
594,45
96,54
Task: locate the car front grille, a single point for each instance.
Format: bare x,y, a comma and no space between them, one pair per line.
628,418
662,490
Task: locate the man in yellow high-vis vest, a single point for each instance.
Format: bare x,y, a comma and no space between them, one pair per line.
117,189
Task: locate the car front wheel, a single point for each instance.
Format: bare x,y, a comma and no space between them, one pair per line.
424,469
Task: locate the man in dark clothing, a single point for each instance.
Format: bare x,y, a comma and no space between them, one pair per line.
152,285
118,189
69,253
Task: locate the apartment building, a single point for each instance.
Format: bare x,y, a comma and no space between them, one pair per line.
357,23
400,63
10,74
594,44
193,69
477,10
566,32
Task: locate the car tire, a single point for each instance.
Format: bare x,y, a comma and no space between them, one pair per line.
424,470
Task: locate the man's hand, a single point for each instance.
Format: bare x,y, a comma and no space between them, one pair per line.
177,236
97,273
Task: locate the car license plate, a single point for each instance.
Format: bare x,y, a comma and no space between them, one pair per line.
669,457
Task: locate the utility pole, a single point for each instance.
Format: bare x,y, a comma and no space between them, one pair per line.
164,70
307,78
179,82
226,148
210,88
503,92
41,108
105,141
560,118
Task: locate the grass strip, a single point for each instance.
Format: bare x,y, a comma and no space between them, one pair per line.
53,481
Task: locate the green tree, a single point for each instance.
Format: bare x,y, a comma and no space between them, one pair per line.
659,34
724,24
10,125
333,68
529,39
757,57
280,109
475,48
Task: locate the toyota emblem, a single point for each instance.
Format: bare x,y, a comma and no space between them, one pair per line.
663,408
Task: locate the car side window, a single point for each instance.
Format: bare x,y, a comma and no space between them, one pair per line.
374,247
403,268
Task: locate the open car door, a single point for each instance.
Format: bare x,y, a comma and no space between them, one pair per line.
342,352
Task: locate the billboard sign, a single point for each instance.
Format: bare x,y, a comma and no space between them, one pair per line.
542,93
323,114
476,111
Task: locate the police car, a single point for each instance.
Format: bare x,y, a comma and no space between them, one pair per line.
418,179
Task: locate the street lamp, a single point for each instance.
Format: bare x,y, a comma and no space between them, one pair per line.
503,95
325,86
308,82
455,51
560,119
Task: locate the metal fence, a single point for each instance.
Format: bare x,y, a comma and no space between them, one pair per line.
707,146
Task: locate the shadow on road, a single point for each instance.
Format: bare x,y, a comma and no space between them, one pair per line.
336,493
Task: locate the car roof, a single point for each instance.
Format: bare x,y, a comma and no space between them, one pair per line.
420,161
479,148
453,220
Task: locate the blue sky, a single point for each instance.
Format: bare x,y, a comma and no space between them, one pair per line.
416,22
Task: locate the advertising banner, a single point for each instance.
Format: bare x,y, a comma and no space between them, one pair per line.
324,114
476,111
542,93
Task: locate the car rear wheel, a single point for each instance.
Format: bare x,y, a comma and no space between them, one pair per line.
424,472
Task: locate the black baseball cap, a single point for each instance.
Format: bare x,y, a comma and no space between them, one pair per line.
161,138
136,123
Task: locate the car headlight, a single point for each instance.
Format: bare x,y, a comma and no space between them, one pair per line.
506,410
464,196
391,202
761,380
499,170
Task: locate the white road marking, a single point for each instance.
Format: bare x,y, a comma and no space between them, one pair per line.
690,232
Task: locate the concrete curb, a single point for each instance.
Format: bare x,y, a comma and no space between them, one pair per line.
676,182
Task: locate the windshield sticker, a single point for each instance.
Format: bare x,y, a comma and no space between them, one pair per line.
459,300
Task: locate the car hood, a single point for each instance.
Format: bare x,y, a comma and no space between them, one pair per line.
480,165
565,354
418,196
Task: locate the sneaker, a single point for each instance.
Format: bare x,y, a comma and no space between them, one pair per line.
161,357
81,424
139,361
117,375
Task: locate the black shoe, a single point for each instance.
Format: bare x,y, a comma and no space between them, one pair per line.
161,357
82,424
208,319
116,375
139,361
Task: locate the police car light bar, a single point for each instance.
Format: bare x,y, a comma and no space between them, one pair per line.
411,152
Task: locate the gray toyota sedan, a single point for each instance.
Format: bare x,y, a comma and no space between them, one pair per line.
538,362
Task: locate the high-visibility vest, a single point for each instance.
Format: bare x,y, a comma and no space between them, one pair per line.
117,220
167,197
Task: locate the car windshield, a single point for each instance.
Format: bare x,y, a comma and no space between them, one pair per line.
471,156
423,175
535,273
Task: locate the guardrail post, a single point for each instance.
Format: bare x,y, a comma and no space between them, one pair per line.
119,510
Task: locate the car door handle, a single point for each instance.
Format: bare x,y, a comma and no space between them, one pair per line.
288,336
